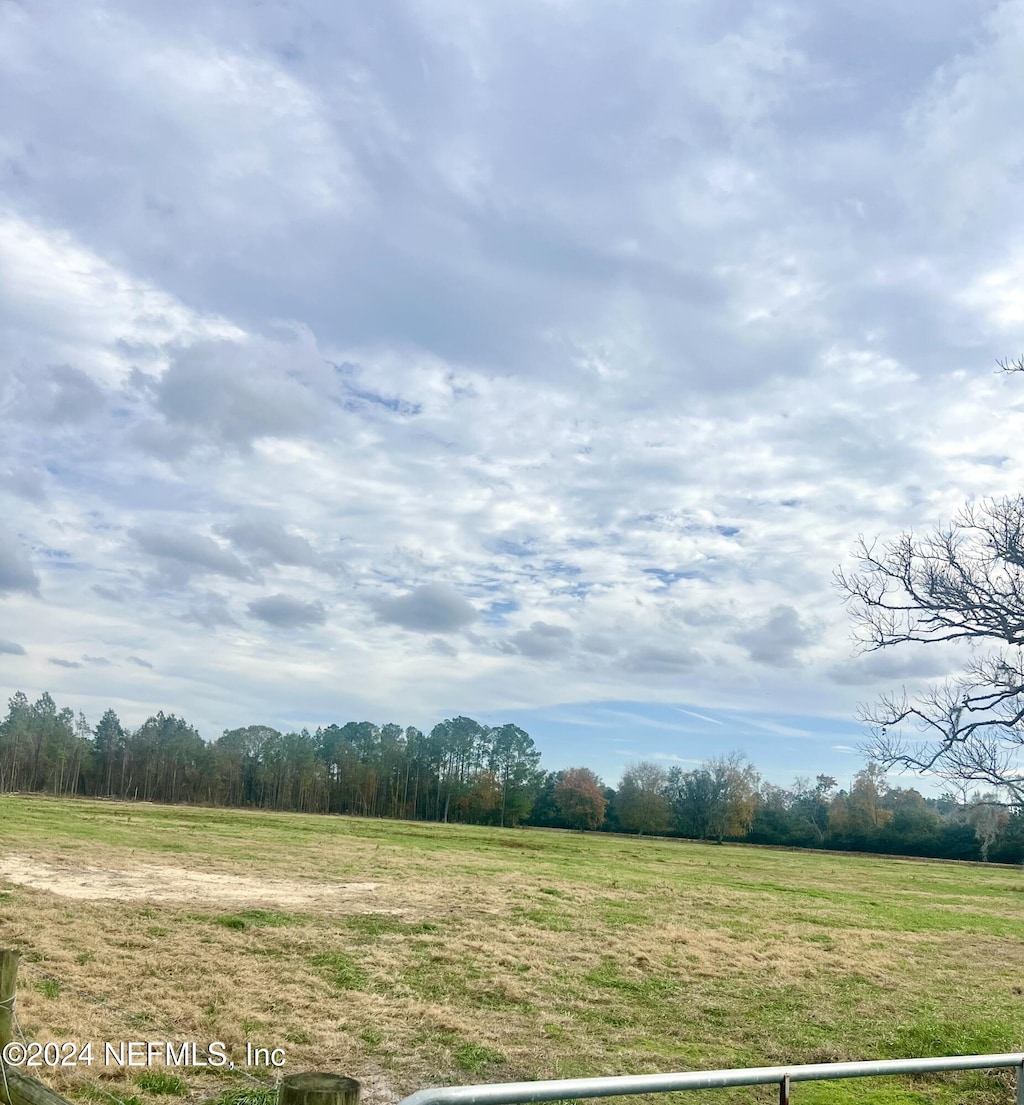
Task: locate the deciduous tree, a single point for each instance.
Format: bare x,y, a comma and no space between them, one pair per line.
716,800
964,582
641,802
580,798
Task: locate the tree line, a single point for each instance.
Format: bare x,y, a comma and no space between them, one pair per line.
465,771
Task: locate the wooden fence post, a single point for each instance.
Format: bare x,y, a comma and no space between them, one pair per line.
314,1088
8,988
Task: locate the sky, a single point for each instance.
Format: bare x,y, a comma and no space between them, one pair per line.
534,362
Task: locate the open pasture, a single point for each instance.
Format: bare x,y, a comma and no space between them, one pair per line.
415,954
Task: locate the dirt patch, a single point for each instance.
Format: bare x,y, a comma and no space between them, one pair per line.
158,883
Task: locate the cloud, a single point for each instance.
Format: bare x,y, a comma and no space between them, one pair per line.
962,121
16,571
236,393
777,728
431,608
60,394
777,639
65,663
543,641
166,443
26,482
648,722
9,648
210,611
668,661
99,661
139,662
182,553
271,543
700,717
626,364
287,612
113,594
915,663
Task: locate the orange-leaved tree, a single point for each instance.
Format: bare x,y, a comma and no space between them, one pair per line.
580,798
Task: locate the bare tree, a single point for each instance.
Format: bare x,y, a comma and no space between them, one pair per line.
964,582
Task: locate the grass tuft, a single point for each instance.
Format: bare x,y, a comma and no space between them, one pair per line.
476,1058
161,1082
340,970
247,1095
231,921
383,924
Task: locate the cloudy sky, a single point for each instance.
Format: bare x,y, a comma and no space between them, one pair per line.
537,362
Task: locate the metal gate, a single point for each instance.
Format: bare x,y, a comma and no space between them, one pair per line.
564,1089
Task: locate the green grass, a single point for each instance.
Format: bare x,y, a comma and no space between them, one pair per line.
476,1058
480,954
230,921
246,1096
340,970
249,918
107,1096
160,1082
381,924
544,918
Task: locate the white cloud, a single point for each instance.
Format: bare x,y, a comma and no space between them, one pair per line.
700,717
181,554
543,641
432,608
288,612
16,570
776,640
511,383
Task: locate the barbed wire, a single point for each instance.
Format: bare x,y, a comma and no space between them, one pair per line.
10,1004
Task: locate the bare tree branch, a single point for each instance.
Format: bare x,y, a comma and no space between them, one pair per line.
964,582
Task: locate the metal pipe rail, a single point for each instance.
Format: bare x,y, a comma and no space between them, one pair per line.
564,1089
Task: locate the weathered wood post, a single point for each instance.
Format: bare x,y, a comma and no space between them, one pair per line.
8,989
9,960
314,1088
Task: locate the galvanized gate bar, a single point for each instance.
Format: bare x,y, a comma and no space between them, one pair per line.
561,1089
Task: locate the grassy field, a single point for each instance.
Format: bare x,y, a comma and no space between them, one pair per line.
408,955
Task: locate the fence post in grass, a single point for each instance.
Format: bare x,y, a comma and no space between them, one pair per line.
8,988
314,1088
